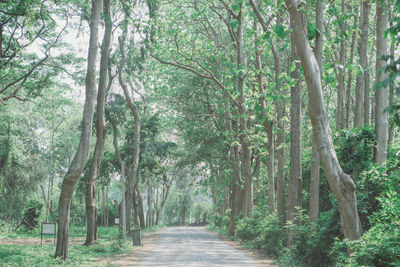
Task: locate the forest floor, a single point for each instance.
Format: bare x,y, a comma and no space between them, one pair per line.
188,246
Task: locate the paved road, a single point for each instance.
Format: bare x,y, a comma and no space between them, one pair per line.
195,246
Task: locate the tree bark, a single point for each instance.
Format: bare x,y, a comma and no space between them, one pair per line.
101,131
350,76
315,161
294,194
141,213
340,183
245,151
362,52
342,62
133,168
381,94
391,88
267,128
81,156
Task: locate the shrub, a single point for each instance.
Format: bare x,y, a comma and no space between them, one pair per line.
380,245
313,241
31,215
263,232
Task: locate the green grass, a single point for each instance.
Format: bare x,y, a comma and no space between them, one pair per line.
78,255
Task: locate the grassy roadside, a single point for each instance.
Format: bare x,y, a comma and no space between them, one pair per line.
78,255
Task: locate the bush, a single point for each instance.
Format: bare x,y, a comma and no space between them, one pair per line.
31,215
263,232
313,241
380,245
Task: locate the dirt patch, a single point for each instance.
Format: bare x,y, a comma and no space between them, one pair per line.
132,258
263,259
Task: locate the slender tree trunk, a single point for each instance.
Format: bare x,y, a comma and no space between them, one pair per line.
315,162
141,213
391,91
10,205
81,156
342,62
280,107
149,202
267,128
91,177
381,95
245,151
133,169
294,194
362,51
350,76
340,183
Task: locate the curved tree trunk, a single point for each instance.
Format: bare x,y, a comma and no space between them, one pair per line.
81,156
340,183
91,177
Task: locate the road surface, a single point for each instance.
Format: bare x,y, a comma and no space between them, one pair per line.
195,246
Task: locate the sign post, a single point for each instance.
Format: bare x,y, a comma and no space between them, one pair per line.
123,206
48,229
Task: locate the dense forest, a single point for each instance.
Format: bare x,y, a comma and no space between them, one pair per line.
275,121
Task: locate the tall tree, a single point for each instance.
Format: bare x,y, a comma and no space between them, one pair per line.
315,161
362,93
81,156
381,92
91,176
340,183
294,194
133,167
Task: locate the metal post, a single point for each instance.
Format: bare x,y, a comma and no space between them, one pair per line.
123,206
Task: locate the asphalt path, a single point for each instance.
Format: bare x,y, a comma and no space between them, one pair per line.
195,246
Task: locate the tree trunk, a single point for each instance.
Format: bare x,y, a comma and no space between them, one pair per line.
294,194
141,213
280,107
245,151
381,95
342,63
391,89
10,204
340,183
81,156
360,82
91,177
267,128
133,169
350,76
315,161
150,202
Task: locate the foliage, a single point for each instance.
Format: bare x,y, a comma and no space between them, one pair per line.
264,232
355,149
31,214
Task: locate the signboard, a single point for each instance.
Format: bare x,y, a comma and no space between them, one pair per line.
116,221
48,229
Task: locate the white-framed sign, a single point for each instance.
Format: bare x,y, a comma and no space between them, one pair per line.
48,229
116,221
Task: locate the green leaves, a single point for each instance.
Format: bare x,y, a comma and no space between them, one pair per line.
234,23
280,31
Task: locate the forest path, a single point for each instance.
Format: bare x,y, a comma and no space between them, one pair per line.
195,246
